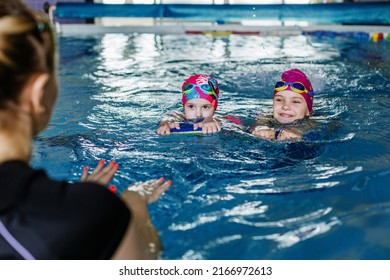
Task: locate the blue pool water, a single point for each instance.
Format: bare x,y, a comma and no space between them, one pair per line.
234,196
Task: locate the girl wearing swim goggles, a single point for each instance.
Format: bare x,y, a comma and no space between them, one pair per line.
293,101
200,100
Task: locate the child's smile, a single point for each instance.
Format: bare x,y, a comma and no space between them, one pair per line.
289,106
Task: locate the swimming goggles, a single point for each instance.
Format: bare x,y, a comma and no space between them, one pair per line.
205,88
296,87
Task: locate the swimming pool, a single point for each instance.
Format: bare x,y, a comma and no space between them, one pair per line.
234,196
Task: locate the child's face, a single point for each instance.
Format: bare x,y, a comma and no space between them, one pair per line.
198,108
289,106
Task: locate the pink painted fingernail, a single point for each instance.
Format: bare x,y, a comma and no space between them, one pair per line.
101,162
86,168
169,182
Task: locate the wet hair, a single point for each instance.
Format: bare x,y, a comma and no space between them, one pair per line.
27,47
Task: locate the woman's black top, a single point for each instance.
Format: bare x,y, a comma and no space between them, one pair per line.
41,218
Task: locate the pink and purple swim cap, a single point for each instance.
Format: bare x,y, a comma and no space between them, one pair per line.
201,86
296,81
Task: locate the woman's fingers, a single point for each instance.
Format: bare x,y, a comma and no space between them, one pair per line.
151,190
159,190
107,173
98,167
84,176
101,174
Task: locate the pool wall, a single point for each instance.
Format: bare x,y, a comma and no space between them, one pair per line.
341,13
360,20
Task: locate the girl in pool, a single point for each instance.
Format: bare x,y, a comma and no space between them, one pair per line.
292,107
200,100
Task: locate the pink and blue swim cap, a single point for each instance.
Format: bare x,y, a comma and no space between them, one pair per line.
201,86
296,81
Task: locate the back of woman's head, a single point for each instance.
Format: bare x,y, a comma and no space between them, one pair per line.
26,47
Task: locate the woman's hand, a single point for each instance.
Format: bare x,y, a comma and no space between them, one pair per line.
166,126
141,240
209,125
150,191
102,174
